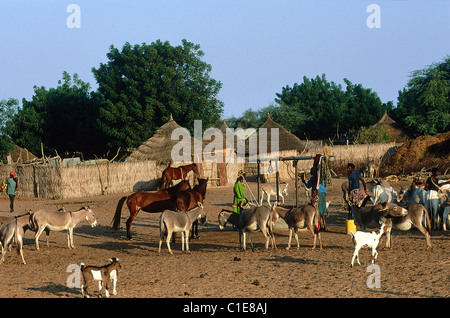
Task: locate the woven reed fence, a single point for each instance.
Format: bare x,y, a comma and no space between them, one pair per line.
47,181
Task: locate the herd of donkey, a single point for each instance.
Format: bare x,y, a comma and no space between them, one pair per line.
182,211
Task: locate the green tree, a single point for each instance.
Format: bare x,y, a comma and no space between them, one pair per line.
322,109
371,135
63,119
7,110
424,104
142,85
363,107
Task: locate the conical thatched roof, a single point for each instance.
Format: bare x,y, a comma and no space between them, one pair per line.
159,146
287,141
21,155
395,131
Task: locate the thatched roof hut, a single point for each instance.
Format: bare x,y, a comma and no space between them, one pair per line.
286,141
20,155
159,146
395,131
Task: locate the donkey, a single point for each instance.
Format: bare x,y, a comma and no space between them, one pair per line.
416,212
270,189
250,220
13,231
102,274
171,222
300,218
57,221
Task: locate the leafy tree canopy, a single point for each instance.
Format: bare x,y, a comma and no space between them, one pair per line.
424,104
142,85
7,110
63,119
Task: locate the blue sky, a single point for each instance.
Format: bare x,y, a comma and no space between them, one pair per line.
255,47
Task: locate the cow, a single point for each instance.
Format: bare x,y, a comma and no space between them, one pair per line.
382,194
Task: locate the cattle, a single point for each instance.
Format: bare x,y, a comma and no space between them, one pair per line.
382,194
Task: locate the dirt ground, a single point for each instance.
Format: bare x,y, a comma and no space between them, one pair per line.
216,268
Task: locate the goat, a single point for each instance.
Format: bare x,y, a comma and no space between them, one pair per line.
102,274
172,222
13,230
368,169
299,218
250,220
367,239
270,189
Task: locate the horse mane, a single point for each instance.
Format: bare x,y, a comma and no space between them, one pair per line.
174,189
201,186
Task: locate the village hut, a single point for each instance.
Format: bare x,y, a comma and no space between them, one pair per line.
396,132
159,147
20,155
288,145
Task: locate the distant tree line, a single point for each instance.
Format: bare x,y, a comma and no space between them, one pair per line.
140,86
319,109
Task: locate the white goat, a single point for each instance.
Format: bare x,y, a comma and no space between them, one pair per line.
102,274
270,189
367,239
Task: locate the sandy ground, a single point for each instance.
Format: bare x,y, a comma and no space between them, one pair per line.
216,268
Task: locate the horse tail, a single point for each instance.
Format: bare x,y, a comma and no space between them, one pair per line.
116,219
427,221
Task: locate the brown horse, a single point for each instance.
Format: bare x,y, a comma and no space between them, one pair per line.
177,173
151,202
187,200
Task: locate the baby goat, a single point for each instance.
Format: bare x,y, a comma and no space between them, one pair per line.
367,239
102,274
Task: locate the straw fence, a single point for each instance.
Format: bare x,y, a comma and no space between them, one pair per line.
47,181
103,177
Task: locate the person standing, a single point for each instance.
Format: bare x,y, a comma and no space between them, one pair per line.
432,188
11,189
239,192
355,194
322,197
